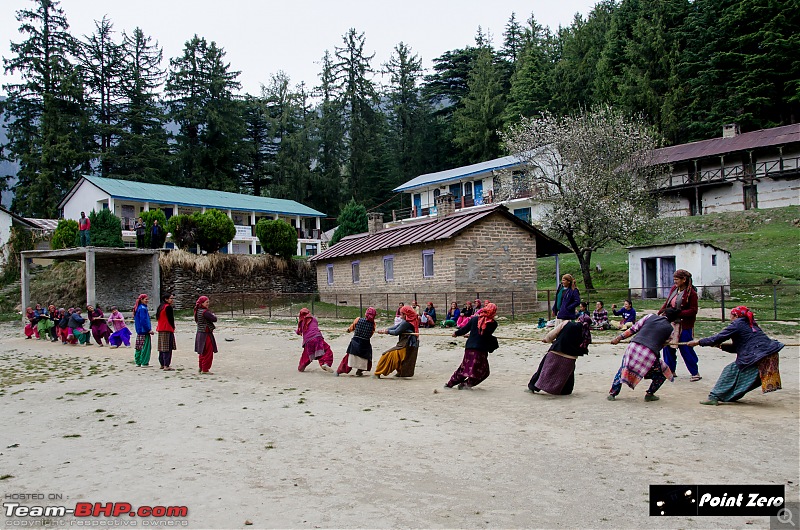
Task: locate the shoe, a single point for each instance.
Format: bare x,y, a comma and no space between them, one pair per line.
651,397
695,378
359,373
113,347
710,402
611,398
376,376
327,368
448,386
464,386
27,338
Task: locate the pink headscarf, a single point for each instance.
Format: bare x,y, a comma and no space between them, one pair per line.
200,301
303,319
370,314
486,315
139,301
743,312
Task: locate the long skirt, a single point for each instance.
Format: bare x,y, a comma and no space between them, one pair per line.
62,333
141,354
80,336
735,382
207,357
44,326
30,330
166,343
402,359
100,332
315,349
120,337
556,375
358,356
473,370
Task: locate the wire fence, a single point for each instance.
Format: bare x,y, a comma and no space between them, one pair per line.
769,302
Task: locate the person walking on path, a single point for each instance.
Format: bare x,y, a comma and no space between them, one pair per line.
205,345
641,359
682,301
165,326
756,361
141,321
359,351
314,346
474,368
84,225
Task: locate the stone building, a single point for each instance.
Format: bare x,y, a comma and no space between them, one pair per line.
458,255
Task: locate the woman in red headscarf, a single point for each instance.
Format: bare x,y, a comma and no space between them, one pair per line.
756,361
359,352
474,368
403,357
682,302
314,346
205,345
556,373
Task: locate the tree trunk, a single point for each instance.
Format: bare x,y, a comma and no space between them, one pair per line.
585,259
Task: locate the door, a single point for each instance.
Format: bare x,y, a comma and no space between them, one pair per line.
665,276
649,278
478,191
417,205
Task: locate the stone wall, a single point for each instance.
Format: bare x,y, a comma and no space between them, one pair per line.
119,280
188,285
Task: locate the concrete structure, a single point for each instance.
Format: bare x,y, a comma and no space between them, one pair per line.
127,199
452,256
121,274
740,171
499,181
650,268
9,219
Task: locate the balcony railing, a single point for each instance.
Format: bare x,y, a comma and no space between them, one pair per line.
773,169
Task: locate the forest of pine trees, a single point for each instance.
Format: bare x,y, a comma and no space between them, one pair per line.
108,103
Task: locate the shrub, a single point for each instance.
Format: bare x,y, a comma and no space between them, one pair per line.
214,230
65,234
352,220
277,237
148,217
20,239
106,229
184,230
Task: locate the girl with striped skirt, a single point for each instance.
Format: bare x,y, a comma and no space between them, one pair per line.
556,373
756,361
359,351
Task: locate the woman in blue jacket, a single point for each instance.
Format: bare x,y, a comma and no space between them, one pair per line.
567,299
141,320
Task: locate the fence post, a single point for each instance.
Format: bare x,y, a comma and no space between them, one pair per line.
722,301
387,302
360,305
512,306
312,303
269,304
242,302
336,309
775,300
547,313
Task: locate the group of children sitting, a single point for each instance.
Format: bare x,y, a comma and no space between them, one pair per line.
600,316
70,326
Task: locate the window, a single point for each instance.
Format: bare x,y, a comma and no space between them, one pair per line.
436,193
714,260
388,268
356,272
468,189
330,274
427,263
524,214
455,190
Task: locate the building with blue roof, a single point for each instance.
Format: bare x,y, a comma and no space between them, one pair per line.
128,199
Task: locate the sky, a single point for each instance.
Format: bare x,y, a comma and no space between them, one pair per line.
263,37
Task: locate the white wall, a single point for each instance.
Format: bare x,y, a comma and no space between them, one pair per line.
777,193
5,227
694,257
87,197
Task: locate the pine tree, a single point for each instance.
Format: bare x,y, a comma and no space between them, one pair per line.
200,89
47,125
255,144
530,91
330,132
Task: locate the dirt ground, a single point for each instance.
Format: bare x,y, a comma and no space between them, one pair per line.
260,442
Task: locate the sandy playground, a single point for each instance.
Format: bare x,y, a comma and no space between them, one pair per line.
260,443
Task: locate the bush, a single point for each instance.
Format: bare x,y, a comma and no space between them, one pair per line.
65,235
148,217
184,230
214,230
352,220
20,239
106,229
277,237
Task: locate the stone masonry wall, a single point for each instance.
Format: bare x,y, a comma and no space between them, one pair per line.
120,280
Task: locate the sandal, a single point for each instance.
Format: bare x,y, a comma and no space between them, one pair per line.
695,378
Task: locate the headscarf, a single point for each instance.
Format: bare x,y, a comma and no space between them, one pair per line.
370,314
197,305
586,332
688,286
29,312
411,316
477,304
139,301
303,319
742,312
486,315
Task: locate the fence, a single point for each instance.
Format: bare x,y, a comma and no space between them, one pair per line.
768,302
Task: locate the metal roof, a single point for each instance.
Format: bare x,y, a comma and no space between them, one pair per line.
458,173
45,224
677,243
720,146
433,229
223,200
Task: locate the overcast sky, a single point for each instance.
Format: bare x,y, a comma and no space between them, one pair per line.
264,37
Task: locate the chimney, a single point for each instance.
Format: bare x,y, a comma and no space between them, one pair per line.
445,205
374,222
730,130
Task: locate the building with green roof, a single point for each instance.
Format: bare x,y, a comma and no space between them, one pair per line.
128,199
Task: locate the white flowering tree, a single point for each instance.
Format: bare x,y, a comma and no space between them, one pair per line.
594,172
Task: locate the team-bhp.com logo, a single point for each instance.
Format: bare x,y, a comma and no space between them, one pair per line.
94,509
